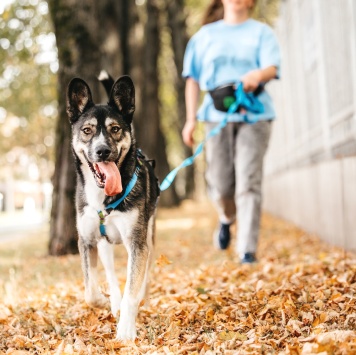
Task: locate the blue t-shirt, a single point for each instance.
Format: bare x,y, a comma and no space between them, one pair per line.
221,53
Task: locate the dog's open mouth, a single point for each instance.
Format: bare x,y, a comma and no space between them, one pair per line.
107,176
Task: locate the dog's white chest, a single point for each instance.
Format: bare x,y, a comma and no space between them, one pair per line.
94,196
88,222
120,226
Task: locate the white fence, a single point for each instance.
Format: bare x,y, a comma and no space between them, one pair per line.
311,163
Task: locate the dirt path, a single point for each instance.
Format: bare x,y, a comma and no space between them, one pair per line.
299,298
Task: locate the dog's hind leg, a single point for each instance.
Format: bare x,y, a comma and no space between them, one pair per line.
138,253
89,259
106,254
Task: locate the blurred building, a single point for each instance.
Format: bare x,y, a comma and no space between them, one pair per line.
25,195
311,164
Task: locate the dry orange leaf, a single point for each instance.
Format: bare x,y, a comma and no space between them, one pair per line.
226,335
209,315
162,261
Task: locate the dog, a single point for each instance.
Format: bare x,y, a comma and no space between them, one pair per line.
116,196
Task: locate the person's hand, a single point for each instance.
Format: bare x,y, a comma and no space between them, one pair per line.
187,133
251,80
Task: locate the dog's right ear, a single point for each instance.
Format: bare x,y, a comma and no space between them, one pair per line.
122,97
79,99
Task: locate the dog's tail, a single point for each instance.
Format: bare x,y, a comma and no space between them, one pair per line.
107,81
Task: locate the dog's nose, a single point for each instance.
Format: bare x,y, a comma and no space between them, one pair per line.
103,152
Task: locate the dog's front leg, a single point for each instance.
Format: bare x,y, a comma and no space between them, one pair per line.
106,254
89,259
144,292
136,271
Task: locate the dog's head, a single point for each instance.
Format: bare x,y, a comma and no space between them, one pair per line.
102,133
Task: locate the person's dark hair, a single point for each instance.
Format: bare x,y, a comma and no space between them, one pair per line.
214,12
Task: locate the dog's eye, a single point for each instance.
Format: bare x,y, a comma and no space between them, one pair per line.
86,130
115,129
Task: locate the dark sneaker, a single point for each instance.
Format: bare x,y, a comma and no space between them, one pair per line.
248,258
222,236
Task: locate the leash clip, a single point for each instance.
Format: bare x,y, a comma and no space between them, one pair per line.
102,216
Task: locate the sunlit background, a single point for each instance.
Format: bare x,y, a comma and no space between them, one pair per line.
28,108
310,165
28,102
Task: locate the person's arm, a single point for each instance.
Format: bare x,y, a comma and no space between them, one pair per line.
252,79
192,92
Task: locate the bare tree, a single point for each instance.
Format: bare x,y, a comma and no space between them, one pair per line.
179,38
148,131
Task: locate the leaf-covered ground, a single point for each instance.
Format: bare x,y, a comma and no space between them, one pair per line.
299,299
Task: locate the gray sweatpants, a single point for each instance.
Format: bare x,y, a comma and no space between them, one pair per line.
234,177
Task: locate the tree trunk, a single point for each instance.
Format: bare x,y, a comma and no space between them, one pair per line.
179,39
79,55
117,19
148,131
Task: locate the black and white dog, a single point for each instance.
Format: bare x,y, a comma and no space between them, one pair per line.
116,197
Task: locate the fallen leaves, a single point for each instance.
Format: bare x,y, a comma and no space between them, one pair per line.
162,261
299,299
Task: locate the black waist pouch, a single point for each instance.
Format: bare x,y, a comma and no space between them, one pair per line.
223,96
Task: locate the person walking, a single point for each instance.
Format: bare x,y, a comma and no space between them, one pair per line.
232,48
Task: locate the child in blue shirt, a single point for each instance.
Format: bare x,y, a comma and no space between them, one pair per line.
232,48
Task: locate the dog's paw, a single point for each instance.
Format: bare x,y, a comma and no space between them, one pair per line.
115,301
126,331
98,300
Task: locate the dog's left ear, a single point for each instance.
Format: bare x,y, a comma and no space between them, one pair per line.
79,99
122,97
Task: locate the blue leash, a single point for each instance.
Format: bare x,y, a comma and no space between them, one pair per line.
242,100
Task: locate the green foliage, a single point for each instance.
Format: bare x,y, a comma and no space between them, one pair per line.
28,63
266,10
194,12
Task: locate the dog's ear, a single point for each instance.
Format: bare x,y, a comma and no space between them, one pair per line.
79,99
122,97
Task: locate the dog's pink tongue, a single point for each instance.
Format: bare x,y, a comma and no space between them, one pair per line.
113,185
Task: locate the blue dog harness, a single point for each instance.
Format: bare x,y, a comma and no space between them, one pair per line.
111,206
243,100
